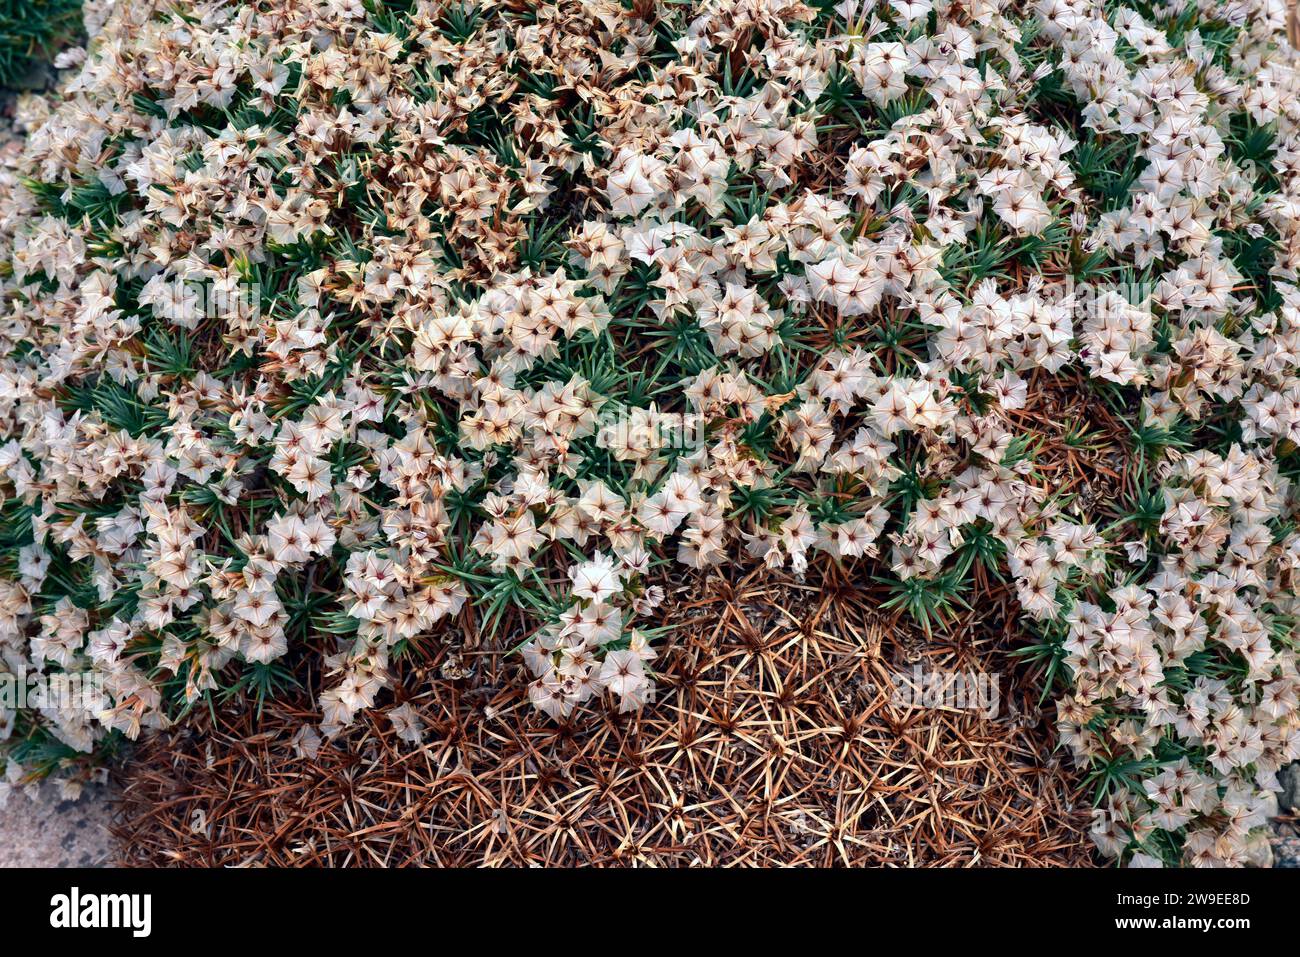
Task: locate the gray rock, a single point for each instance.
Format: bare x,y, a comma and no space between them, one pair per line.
1289,799
1286,851
50,833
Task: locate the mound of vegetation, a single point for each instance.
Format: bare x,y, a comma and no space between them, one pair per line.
341,326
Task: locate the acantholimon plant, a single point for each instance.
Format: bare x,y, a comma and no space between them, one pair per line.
329,323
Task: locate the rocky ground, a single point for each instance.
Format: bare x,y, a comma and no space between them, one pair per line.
53,833
1286,829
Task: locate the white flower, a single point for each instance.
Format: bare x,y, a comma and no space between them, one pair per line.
597,579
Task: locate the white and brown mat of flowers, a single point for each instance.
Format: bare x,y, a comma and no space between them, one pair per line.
343,320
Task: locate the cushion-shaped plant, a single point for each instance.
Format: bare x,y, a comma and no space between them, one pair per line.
329,322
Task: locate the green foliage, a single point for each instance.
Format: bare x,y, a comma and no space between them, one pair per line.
32,32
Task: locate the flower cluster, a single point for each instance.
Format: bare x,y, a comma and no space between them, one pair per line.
327,324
